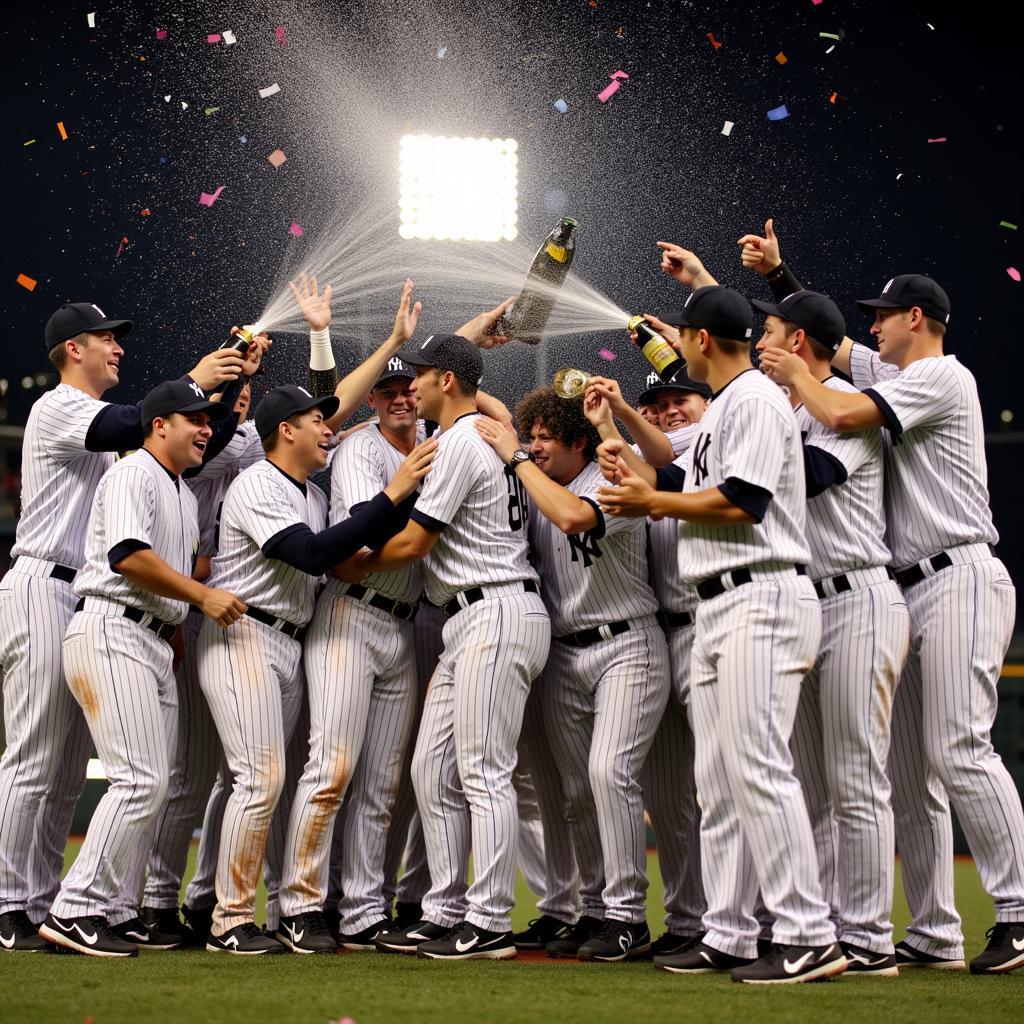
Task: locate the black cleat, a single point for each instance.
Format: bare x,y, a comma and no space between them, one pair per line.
617,940
244,940
566,949
19,935
868,963
89,935
407,914
699,959
306,933
1004,952
144,937
540,932
790,965
200,921
670,944
467,942
408,940
166,920
333,921
907,956
364,939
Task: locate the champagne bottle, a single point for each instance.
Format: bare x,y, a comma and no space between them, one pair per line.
240,342
657,351
570,382
526,320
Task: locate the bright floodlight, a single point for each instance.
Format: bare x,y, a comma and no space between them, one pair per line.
459,189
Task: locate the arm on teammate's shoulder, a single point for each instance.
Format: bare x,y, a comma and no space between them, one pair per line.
488,405
603,401
568,512
414,542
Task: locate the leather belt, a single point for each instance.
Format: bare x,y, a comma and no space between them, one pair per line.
281,625
163,630
400,609
674,620
716,585
840,584
464,598
960,555
596,635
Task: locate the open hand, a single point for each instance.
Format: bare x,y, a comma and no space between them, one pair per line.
413,469
313,305
500,437
481,329
406,318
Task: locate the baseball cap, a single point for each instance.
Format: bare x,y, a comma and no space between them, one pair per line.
447,352
285,402
817,314
76,317
680,382
395,369
179,396
721,311
910,290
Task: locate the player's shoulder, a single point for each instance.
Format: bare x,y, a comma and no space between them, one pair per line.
462,436
365,442
57,406
317,495
135,473
588,479
838,384
753,390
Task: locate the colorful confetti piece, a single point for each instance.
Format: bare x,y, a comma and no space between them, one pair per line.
279,33
1007,224
120,248
829,35
606,354
832,98
296,230
270,90
613,87
211,110
91,19
26,282
277,157
63,131
229,38
781,58
1014,273
213,37
778,113
145,213
714,42
31,142
943,139
209,198
561,106
728,127
161,33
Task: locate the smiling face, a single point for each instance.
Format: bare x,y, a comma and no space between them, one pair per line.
557,460
182,438
310,437
892,330
97,355
395,404
777,335
679,408
428,392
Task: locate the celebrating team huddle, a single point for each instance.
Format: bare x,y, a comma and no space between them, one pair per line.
768,612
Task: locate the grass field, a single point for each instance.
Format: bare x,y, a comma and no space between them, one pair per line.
374,989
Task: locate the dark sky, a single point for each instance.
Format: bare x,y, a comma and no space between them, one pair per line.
651,163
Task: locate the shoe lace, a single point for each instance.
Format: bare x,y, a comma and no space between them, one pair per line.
998,933
316,924
250,931
609,930
586,927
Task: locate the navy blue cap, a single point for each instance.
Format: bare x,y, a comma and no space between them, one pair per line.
285,402
722,312
909,290
447,352
817,314
78,317
680,382
395,369
179,396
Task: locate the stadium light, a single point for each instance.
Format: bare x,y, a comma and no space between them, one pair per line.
458,189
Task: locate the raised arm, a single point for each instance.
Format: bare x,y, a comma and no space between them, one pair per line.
684,265
652,441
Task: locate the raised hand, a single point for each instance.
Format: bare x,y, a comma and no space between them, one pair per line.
257,350
760,253
499,436
608,458
480,330
406,318
631,497
596,407
682,264
413,469
218,367
315,307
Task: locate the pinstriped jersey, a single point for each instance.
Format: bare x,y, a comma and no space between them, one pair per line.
663,538
59,477
480,508
139,500
845,524
593,577
259,504
364,465
936,486
748,433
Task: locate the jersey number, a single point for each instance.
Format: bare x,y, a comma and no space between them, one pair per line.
516,500
583,546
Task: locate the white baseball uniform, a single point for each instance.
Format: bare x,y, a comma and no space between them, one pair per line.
961,619
841,734
495,644
119,671
757,632
603,692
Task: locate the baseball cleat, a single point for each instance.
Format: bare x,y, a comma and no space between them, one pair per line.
907,956
867,963
244,940
408,940
19,935
306,933
790,965
567,948
467,942
617,940
144,937
200,920
333,921
1004,952
89,935
364,939
166,920
540,932
407,914
670,943
700,959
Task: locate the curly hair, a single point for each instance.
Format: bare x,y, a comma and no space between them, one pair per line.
562,417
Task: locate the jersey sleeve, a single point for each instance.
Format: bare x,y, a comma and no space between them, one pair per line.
866,367
456,468
65,424
129,508
751,448
925,393
268,510
252,447
851,450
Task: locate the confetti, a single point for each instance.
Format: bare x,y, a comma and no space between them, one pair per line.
1007,224
832,98
213,37
167,99
621,32
91,19
208,199
781,58
63,131
778,113
120,248
296,230
161,33
184,105
561,106
242,139
606,354
270,90
943,139
728,127
26,282
815,2
828,35
1014,273
29,143
831,48
277,157
229,38
279,33
613,87
898,176
930,25
441,51
714,42
145,213
211,110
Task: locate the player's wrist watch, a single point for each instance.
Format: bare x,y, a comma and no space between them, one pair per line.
518,458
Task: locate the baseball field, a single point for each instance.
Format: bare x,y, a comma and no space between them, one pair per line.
371,988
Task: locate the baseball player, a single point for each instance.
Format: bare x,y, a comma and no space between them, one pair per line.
469,526
605,684
741,544
134,590
69,440
961,602
841,736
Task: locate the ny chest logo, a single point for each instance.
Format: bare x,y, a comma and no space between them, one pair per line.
700,458
584,546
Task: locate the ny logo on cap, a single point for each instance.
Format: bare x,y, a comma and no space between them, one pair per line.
427,342
748,332
688,297
652,379
395,364
98,310
305,392
197,389
889,285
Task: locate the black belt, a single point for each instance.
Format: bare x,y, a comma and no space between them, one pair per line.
400,609
474,594
589,637
841,583
717,584
64,573
673,620
908,577
274,622
163,630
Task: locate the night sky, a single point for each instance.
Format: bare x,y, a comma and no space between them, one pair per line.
857,191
